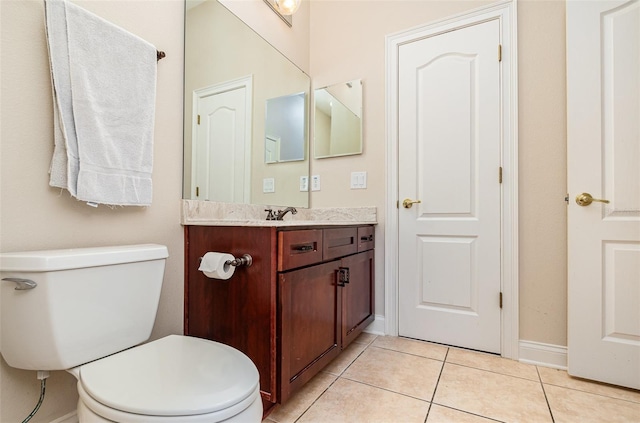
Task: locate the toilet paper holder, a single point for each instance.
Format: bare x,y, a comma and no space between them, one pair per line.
245,260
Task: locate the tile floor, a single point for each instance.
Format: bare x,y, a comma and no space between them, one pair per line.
389,379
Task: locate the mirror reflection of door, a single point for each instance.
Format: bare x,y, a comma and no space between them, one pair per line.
271,149
285,122
221,154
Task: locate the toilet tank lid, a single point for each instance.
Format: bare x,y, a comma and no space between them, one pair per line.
74,258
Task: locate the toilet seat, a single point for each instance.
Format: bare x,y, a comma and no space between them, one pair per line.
176,378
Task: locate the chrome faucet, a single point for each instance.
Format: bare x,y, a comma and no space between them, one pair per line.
281,213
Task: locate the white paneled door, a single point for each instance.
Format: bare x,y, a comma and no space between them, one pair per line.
449,155
222,142
603,127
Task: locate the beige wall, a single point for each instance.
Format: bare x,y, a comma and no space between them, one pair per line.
35,216
353,46
543,171
291,41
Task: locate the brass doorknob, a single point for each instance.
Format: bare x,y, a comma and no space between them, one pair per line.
585,199
407,203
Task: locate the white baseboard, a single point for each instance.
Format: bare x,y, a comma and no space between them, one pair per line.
377,326
540,354
67,418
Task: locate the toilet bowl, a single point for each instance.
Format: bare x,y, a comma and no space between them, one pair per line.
87,310
173,379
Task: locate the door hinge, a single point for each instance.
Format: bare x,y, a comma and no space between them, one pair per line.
500,175
197,191
198,119
500,299
499,52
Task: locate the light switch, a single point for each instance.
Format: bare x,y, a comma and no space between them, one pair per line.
358,180
315,183
304,183
268,185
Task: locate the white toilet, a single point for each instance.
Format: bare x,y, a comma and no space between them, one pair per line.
82,310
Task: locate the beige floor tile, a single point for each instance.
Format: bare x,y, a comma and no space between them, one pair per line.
492,363
439,414
344,360
411,346
396,371
570,405
562,378
352,402
302,400
492,395
365,338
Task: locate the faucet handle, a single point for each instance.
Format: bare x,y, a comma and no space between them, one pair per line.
270,214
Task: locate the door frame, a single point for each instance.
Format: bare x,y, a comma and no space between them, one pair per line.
505,12
245,82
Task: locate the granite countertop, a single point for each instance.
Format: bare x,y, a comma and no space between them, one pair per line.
208,213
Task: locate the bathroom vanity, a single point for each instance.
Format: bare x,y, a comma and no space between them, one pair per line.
308,293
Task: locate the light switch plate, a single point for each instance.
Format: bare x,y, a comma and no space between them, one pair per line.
358,180
268,185
304,183
315,183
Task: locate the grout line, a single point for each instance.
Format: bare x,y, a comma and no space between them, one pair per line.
408,353
544,392
493,371
316,400
470,413
585,391
385,389
435,388
335,380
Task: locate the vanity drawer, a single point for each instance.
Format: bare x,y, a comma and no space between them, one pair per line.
366,239
299,248
339,242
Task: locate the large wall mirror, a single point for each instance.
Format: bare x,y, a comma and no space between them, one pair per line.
338,120
246,108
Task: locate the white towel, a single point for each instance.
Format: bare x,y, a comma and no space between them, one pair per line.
104,80
65,153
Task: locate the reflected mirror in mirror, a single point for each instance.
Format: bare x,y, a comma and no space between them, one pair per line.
338,120
230,73
285,129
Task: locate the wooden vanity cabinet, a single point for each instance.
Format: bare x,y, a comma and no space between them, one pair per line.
308,294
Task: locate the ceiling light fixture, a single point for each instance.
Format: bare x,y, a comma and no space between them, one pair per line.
287,7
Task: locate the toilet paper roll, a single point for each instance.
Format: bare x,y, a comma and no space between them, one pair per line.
214,266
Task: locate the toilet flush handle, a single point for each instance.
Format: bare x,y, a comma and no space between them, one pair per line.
23,284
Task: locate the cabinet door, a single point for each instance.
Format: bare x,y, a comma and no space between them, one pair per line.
309,330
357,296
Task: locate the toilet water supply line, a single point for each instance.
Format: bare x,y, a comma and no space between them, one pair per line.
42,375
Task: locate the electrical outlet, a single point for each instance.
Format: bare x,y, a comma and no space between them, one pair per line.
315,183
358,180
268,185
304,183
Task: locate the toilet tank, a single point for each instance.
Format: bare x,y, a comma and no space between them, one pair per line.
88,303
